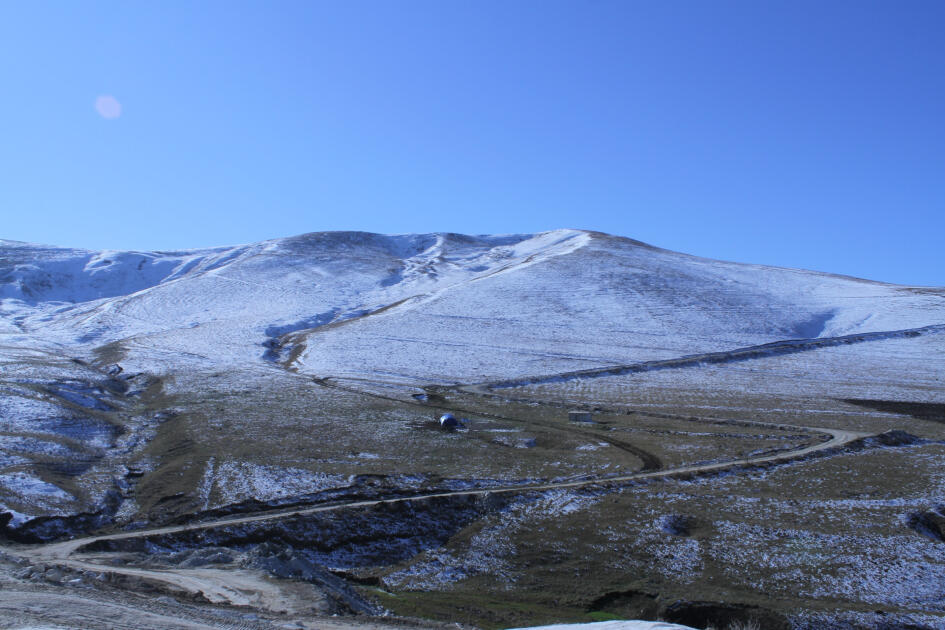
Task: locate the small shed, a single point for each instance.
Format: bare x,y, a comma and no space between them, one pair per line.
579,415
449,422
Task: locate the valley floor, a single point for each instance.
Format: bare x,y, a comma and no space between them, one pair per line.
689,510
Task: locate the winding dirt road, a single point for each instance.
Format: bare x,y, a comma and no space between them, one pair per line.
256,590
220,586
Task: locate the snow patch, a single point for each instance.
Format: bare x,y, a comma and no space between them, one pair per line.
238,481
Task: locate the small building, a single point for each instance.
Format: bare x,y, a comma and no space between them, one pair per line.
578,415
449,422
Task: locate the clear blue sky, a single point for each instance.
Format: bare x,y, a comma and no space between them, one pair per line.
803,134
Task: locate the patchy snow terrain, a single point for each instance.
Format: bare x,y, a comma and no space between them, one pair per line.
144,388
415,310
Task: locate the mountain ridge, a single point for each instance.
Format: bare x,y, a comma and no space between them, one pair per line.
597,298
353,236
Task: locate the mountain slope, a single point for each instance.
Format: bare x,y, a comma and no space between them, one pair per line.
145,361
437,307
146,388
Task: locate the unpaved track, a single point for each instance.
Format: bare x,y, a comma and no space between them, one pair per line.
31,607
254,590
60,552
241,588
236,587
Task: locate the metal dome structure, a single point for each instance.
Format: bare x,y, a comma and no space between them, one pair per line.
449,422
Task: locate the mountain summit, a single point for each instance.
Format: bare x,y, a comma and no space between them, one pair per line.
430,308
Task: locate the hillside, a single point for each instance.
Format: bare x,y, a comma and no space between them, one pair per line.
146,388
509,305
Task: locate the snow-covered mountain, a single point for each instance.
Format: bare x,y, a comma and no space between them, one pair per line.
428,309
548,314
141,388
431,308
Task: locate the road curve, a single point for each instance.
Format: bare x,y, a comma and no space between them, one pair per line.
219,587
246,589
60,551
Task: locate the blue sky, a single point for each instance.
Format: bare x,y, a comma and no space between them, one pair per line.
802,134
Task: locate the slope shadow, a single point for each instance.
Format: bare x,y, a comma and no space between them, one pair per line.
934,412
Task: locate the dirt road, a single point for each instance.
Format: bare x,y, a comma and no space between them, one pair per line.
60,552
255,590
